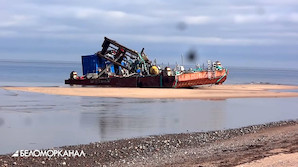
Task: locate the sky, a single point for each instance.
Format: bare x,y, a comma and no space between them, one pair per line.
250,33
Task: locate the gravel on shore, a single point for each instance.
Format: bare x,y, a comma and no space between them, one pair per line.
215,148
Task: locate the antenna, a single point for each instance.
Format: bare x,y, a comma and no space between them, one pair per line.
182,59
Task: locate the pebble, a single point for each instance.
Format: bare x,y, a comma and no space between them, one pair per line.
140,149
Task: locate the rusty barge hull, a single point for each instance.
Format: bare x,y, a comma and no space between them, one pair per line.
158,81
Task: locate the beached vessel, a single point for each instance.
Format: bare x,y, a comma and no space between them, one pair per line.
118,66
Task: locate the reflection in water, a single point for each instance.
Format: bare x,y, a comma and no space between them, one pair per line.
31,121
123,118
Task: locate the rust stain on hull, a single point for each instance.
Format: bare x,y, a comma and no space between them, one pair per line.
158,81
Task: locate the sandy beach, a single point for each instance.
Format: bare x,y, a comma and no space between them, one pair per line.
272,144
203,92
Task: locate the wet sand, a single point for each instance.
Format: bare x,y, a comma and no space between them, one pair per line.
203,92
278,160
245,146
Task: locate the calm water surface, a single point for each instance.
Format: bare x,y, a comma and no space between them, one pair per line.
34,121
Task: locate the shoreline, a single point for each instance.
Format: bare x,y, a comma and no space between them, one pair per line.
214,148
203,92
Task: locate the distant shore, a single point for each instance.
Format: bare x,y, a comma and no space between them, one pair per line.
264,145
203,92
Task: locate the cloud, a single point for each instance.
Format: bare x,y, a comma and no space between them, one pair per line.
90,13
267,18
16,20
196,40
253,18
223,23
277,2
196,20
8,33
57,28
293,17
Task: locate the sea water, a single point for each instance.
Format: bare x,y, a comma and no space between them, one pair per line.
35,121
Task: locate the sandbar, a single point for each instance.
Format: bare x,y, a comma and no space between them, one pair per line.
203,92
